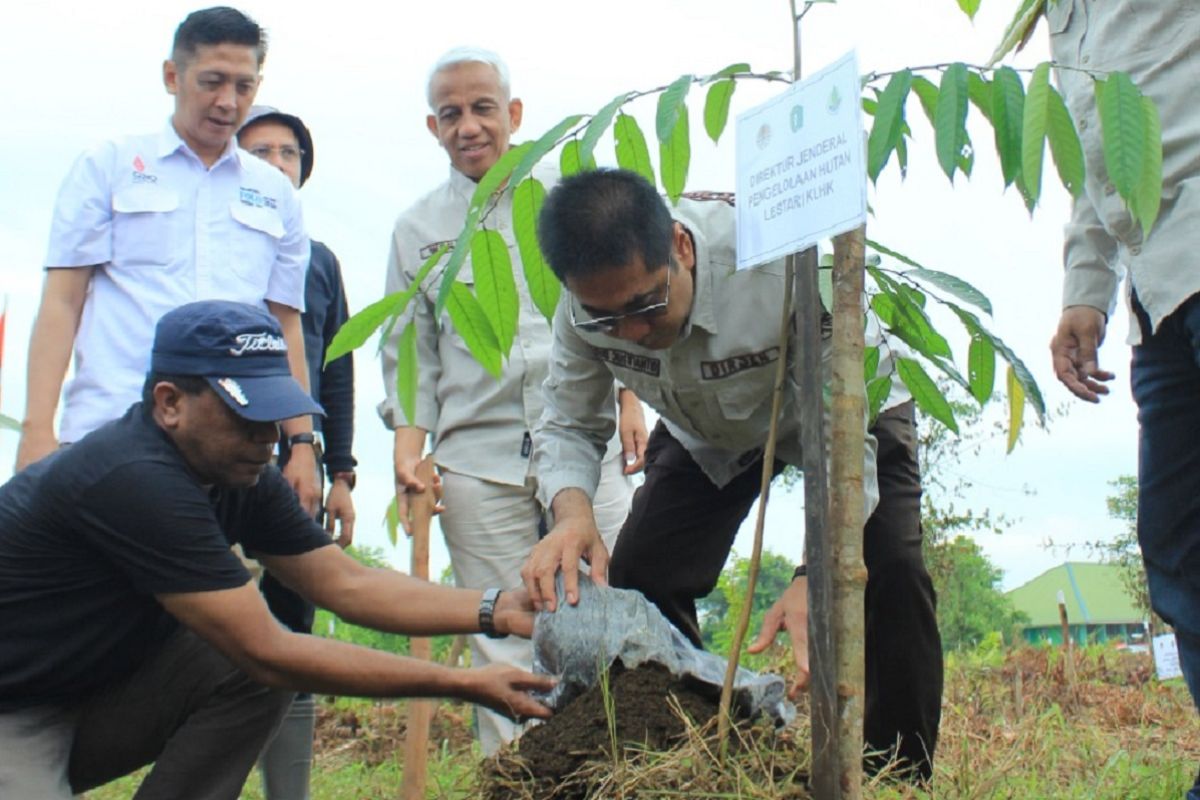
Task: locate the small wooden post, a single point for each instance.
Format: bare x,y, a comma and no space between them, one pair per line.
1067,644
420,712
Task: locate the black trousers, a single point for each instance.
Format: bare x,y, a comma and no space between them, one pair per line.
680,531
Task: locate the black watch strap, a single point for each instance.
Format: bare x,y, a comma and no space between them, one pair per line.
302,438
801,572
487,614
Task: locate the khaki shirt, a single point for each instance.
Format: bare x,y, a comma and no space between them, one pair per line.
480,425
1157,42
712,388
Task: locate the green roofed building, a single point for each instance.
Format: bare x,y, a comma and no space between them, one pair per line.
1099,607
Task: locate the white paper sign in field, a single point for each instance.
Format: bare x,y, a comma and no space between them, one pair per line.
1166,657
801,175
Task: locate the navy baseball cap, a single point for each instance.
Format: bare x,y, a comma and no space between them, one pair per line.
240,350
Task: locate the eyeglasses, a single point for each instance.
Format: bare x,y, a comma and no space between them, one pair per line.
287,152
609,323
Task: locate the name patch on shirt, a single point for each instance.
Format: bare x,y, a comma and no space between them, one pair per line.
431,248
255,198
715,370
619,358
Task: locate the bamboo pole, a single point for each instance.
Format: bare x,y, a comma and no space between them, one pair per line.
420,712
846,512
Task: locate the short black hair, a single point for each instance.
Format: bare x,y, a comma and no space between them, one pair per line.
602,219
213,26
188,384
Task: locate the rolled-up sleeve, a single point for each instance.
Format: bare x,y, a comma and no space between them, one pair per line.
400,276
578,418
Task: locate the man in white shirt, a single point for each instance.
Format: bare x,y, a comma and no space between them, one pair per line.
481,425
144,224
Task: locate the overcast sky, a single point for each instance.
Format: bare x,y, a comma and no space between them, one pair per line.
356,72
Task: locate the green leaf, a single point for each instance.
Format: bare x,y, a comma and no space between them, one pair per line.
902,156
732,69
1064,144
927,92
969,7
878,390
889,119
571,159
981,367
1022,373
1019,29
406,371
870,362
905,318
670,103
488,185
8,423
359,327
1033,133
632,153
1016,408
474,328
980,92
417,282
950,118
544,288
544,144
675,155
495,288
953,285
1123,129
1008,115
391,520
1147,196
598,125
925,391
716,108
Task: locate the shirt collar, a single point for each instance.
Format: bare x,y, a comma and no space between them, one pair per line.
702,314
170,142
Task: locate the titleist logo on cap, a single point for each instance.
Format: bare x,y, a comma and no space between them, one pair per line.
256,342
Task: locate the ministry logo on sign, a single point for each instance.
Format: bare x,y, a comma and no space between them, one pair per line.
764,136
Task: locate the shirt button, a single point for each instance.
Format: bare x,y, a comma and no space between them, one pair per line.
1136,249
1087,59
1109,188
1083,124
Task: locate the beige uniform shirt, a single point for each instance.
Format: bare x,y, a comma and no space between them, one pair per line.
712,388
481,426
1157,42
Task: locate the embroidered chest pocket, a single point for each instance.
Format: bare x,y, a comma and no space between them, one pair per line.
739,397
1058,15
143,226
254,246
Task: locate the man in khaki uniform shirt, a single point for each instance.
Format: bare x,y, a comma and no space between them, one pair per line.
655,300
1158,45
482,426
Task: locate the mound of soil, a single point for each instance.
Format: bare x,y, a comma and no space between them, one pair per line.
580,733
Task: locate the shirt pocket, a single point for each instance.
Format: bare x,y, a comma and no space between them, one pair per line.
1058,15
143,226
741,396
254,245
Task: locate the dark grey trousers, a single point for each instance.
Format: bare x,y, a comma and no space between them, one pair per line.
187,710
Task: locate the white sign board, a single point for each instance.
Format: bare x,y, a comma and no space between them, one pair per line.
801,171
1166,657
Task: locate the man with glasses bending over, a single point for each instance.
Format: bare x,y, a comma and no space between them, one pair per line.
655,300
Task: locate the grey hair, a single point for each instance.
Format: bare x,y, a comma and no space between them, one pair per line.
469,55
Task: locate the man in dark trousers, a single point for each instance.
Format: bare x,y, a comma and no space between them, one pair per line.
285,142
656,302
132,632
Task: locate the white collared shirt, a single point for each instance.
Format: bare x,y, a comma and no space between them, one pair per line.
163,230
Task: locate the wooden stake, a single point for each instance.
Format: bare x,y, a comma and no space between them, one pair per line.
420,712
846,513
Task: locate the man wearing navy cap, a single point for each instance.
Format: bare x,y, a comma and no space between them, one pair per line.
108,545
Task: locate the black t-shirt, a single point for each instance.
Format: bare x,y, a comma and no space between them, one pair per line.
90,534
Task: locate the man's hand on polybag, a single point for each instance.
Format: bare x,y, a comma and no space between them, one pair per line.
506,690
514,613
574,536
789,613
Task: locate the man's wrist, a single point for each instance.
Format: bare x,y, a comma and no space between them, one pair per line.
800,572
347,477
306,437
